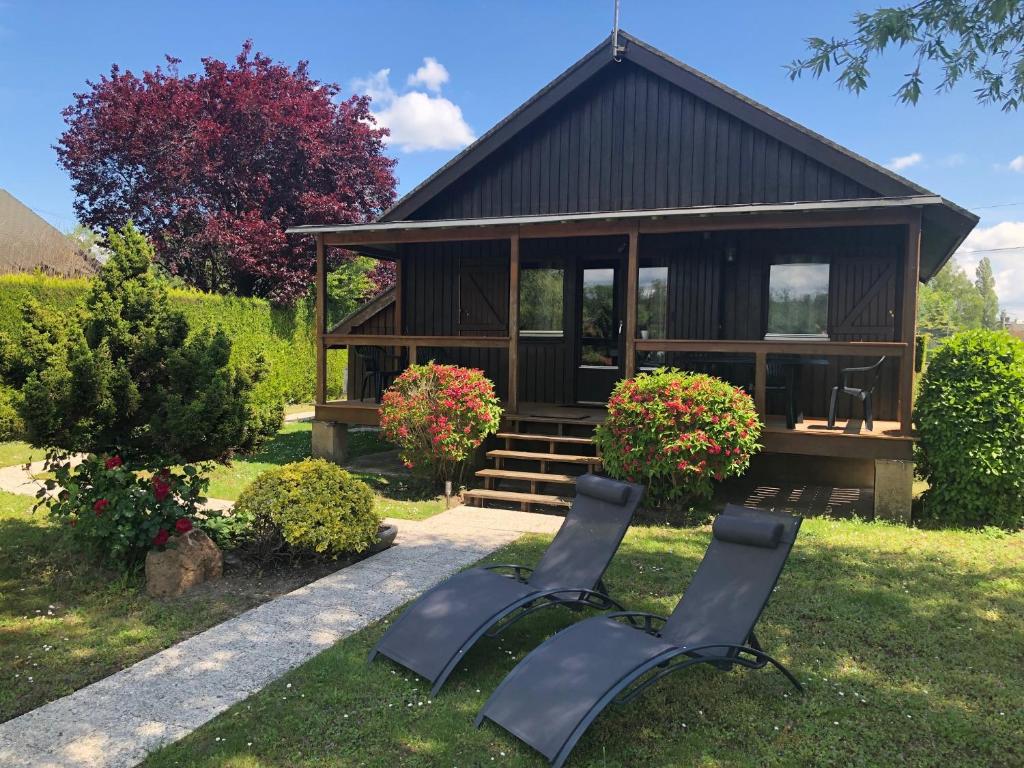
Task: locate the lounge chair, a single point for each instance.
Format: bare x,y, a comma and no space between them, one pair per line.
553,695
434,633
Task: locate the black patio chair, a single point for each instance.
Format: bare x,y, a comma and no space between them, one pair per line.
779,377
379,370
862,393
553,695
435,632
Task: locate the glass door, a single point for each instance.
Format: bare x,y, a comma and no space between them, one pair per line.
600,353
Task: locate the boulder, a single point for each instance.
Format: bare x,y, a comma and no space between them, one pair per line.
189,559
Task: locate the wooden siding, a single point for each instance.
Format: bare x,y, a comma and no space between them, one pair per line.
458,289
628,139
711,297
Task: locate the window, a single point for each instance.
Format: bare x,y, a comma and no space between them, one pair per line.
652,312
540,302
798,300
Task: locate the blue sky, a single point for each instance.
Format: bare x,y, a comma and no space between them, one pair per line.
486,58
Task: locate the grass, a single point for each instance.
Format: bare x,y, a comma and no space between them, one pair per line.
16,452
292,443
910,642
65,622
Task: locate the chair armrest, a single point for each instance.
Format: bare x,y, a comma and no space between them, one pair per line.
631,616
863,369
518,569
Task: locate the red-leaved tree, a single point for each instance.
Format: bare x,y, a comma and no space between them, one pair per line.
213,167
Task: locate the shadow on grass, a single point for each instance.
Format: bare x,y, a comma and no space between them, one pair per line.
909,643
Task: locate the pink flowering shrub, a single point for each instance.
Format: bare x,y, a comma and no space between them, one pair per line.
676,432
438,415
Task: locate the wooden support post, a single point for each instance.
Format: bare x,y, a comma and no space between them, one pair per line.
908,323
761,384
513,324
321,322
632,283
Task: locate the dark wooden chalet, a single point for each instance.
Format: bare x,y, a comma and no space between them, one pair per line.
637,213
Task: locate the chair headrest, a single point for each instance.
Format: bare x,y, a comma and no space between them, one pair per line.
754,532
603,488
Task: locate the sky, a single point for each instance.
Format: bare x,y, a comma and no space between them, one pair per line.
442,73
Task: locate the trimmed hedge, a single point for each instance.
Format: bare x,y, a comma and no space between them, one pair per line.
970,419
283,336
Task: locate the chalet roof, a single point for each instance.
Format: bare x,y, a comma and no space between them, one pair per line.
944,226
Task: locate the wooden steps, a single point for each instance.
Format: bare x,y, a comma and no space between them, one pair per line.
539,438
526,477
525,500
531,474
545,458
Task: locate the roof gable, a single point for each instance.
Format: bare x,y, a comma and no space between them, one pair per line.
650,132
646,99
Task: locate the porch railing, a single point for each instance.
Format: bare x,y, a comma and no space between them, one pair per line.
760,350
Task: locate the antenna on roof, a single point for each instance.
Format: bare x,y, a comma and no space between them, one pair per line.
616,48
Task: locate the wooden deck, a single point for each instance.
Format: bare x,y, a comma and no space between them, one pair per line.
812,437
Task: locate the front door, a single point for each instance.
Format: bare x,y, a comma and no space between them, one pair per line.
599,348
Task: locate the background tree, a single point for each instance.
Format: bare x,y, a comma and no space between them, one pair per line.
214,166
985,282
949,303
980,40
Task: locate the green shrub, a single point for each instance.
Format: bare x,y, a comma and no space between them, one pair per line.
676,432
122,374
309,507
11,425
282,338
970,420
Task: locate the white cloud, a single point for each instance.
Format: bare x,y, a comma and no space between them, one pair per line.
432,75
1007,265
1017,164
905,161
954,160
417,120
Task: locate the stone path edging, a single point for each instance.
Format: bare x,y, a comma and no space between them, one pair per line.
117,721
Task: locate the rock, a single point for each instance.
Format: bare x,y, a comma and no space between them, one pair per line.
188,560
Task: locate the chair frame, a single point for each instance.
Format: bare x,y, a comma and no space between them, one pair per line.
864,394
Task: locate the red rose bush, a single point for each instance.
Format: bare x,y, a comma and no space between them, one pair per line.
438,415
676,432
119,512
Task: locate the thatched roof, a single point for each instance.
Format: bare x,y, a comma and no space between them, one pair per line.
28,242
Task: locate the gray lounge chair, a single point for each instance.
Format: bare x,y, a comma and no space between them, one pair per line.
433,633
555,693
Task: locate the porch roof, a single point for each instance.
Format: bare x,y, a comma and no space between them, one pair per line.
623,217
939,237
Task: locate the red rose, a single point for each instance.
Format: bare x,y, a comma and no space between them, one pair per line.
184,525
99,505
113,462
161,537
160,487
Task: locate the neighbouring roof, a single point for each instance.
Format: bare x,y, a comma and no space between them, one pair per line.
944,226
28,242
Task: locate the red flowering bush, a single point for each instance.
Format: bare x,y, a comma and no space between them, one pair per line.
438,415
118,512
676,432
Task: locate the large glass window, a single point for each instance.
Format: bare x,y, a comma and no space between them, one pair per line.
652,312
798,300
540,301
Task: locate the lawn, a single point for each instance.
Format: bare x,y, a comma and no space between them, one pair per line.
17,452
397,496
910,643
65,622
